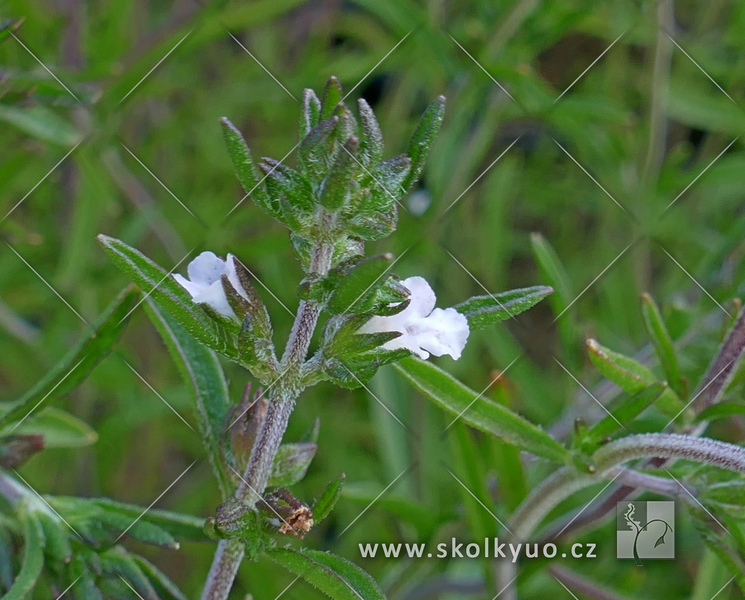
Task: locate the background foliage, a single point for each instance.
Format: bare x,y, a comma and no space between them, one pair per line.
458,237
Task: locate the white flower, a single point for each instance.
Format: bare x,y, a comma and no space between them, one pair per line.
424,329
204,283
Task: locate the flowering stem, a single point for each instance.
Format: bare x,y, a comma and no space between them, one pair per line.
287,388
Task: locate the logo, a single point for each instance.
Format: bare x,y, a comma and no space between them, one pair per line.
645,530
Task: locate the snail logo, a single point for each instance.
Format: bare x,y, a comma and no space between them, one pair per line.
645,530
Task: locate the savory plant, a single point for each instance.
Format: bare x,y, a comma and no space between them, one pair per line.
341,195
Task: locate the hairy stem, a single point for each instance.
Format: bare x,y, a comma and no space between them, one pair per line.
609,458
230,553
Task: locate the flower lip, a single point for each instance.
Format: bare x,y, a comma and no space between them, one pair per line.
205,282
424,329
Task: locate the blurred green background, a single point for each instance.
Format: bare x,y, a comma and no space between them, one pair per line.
144,142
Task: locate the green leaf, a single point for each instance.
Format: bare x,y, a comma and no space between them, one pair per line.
630,375
311,112
486,310
202,372
59,428
331,97
56,536
358,287
291,463
421,141
244,166
663,344
328,499
371,141
337,186
624,410
165,588
334,576
80,361
479,412
552,270
118,562
33,558
165,290
42,123
720,411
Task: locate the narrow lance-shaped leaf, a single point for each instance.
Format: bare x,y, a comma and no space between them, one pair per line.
244,166
80,361
33,558
334,576
479,411
421,141
59,428
371,142
204,375
291,463
328,499
482,311
155,281
118,562
332,95
311,112
358,286
624,410
663,344
630,375
165,588
338,183
552,270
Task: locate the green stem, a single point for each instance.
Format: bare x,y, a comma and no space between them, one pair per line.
229,554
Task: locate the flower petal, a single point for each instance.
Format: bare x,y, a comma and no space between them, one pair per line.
442,332
192,288
206,269
214,297
422,297
230,271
